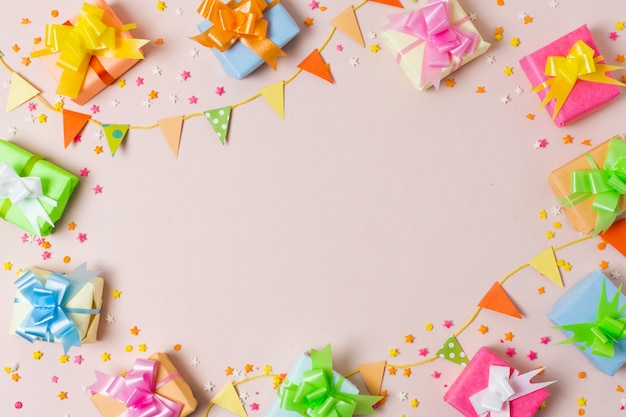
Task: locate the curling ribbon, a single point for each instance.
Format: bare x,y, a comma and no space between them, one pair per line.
136,391
446,43
242,21
607,329
88,37
607,184
502,389
319,395
579,64
24,193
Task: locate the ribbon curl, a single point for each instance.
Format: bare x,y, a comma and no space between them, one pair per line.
446,43
607,184
241,21
602,334
26,194
318,395
578,64
88,38
136,391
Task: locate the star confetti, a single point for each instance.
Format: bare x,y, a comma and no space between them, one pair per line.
374,48
161,6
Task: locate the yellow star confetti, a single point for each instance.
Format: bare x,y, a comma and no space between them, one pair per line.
64,358
121,83
161,5
497,37
8,266
37,355
267,369
409,338
549,234
619,25
58,106
515,42
557,225
142,347
543,214
582,402
42,118
483,329
414,403
128,348
508,71
393,352
116,294
374,48
106,356
567,266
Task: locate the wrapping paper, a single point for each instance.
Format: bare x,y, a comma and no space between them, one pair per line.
176,389
474,378
57,184
115,67
582,216
411,59
579,305
586,97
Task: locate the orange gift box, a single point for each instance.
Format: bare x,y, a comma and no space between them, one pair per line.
582,216
174,389
103,70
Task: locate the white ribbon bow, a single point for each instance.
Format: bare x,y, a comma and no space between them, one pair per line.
501,389
26,194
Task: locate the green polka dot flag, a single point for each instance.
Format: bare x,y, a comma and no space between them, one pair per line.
115,134
452,351
219,119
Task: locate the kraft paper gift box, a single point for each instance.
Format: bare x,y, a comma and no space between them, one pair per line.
488,386
23,202
238,59
593,197
429,52
93,67
165,392
588,313
587,91
55,307
295,397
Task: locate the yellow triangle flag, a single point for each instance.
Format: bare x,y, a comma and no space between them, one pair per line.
373,374
545,264
115,134
172,128
275,96
347,23
20,92
229,399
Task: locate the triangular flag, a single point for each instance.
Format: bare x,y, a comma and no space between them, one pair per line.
452,351
497,300
315,64
115,134
219,120
73,123
228,399
545,264
616,236
372,374
20,92
347,23
275,96
172,128
394,3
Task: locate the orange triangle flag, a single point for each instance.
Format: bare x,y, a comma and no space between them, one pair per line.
172,128
228,399
373,374
275,96
73,123
545,264
315,64
20,92
616,236
498,300
347,23
394,3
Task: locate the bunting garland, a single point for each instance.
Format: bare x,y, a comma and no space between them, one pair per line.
20,92
275,96
228,399
315,64
220,120
115,134
73,123
347,23
172,129
545,264
497,299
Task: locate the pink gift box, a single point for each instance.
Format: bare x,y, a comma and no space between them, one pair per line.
586,96
474,379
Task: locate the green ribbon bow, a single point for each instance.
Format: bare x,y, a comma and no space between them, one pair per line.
607,329
318,395
607,184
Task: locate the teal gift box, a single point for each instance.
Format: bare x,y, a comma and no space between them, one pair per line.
33,192
592,314
238,60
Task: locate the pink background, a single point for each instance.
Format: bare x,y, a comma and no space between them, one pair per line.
372,210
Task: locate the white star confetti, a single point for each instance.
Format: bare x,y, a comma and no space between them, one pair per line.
98,134
504,99
30,118
110,319
243,395
173,98
615,274
114,103
556,210
490,59
194,52
371,35
354,62
194,361
179,11
553,4
519,90
209,386
6,85
403,396
13,130
473,17
157,70
146,103
521,16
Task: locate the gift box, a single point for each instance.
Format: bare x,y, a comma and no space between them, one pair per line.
312,386
488,386
591,314
55,307
239,50
432,42
591,187
154,387
33,191
570,77
89,52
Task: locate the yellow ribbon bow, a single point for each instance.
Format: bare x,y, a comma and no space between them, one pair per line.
238,21
579,64
88,37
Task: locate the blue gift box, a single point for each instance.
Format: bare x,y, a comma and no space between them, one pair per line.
239,61
580,305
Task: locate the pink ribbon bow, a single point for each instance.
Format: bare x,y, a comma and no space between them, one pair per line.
136,391
446,43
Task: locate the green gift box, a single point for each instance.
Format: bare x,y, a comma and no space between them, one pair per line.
33,192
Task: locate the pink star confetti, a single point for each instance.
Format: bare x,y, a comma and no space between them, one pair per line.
436,375
185,75
219,91
542,143
97,189
139,81
82,237
84,172
314,5
339,47
55,379
447,324
193,100
254,406
423,351
78,359
511,352
32,106
77,139
545,340
46,255
613,36
532,355
95,109
25,238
